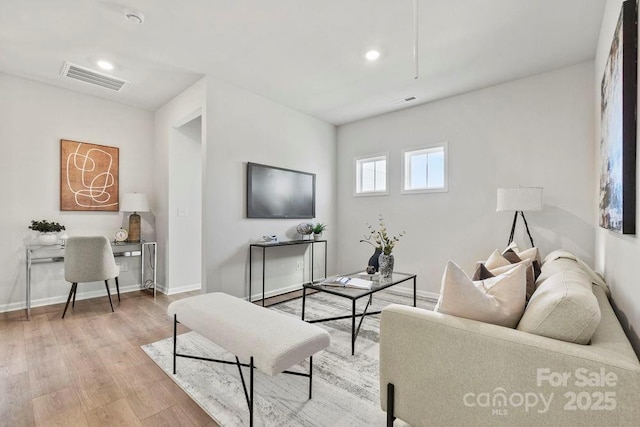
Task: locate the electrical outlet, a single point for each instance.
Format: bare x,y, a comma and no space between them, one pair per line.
124,266
300,265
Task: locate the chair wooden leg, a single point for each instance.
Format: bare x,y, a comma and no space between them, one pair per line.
106,284
71,292
118,288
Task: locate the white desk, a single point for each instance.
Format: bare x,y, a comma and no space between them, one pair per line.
45,254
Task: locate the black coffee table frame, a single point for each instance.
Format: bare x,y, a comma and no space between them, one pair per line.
355,294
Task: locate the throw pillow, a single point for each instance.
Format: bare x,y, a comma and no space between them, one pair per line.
564,308
481,272
530,275
499,300
496,260
534,255
511,256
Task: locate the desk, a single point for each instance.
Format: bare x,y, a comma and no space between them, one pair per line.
264,247
37,254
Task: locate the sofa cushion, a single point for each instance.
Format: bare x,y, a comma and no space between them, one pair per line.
499,300
481,272
496,260
511,256
564,308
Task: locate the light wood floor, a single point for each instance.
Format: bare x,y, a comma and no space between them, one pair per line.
89,369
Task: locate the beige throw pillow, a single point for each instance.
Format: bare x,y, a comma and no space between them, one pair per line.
496,260
499,300
530,275
564,308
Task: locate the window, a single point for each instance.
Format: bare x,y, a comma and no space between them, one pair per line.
371,175
425,169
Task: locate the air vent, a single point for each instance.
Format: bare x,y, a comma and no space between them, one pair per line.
86,75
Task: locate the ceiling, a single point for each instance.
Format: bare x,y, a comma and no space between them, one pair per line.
305,54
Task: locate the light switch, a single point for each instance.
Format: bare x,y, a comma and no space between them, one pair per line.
183,212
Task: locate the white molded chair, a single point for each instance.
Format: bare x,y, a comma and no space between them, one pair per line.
89,259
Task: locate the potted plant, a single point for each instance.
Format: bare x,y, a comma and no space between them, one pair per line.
318,229
383,243
47,230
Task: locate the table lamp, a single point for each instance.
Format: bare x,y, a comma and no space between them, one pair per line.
134,202
519,200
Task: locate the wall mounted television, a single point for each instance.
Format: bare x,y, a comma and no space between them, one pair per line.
274,192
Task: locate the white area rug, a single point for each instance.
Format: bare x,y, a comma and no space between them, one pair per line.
345,387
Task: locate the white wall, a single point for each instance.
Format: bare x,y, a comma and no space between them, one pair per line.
183,108
616,255
531,132
243,127
34,118
185,206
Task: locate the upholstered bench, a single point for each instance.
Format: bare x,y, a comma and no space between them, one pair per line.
272,342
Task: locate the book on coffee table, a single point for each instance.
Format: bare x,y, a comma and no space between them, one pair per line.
348,282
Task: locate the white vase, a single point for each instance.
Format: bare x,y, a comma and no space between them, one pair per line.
48,239
317,236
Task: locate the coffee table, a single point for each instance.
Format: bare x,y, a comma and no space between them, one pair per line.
355,294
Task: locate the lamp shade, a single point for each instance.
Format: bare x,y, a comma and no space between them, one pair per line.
519,199
134,202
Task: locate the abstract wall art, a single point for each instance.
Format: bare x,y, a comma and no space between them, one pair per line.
88,177
618,127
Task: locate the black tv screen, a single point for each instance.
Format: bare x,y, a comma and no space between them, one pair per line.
274,192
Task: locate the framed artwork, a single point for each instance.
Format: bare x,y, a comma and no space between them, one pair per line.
88,177
618,127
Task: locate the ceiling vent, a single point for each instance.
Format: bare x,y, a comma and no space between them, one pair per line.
87,75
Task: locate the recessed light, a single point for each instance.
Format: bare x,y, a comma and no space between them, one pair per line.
372,55
105,65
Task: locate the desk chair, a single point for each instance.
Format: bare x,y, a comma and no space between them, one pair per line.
89,259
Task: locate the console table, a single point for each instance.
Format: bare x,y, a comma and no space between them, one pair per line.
264,247
37,254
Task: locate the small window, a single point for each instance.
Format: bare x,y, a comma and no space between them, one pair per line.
371,175
425,169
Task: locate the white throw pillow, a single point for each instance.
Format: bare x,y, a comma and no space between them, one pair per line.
496,260
499,300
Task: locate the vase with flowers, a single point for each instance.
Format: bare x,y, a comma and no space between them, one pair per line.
48,231
383,243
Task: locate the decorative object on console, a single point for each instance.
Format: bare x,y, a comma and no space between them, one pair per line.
379,239
304,229
47,230
374,261
519,200
318,228
134,202
618,127
121,235
88,177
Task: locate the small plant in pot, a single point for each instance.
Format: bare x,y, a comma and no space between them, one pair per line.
46,229
318,229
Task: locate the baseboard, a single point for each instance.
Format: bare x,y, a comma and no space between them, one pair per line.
275,292
179,289
21,305
425,295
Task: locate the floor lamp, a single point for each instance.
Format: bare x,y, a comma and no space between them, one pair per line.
134,202
519,200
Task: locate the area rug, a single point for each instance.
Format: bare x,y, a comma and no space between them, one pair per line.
345,387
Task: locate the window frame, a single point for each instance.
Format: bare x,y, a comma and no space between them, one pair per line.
357,173
406,169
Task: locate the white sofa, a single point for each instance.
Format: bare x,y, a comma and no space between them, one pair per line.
438,369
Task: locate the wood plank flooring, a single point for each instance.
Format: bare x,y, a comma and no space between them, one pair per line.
89,369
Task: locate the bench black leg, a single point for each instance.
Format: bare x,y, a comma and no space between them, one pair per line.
390,399
310,374
175,329
251,391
